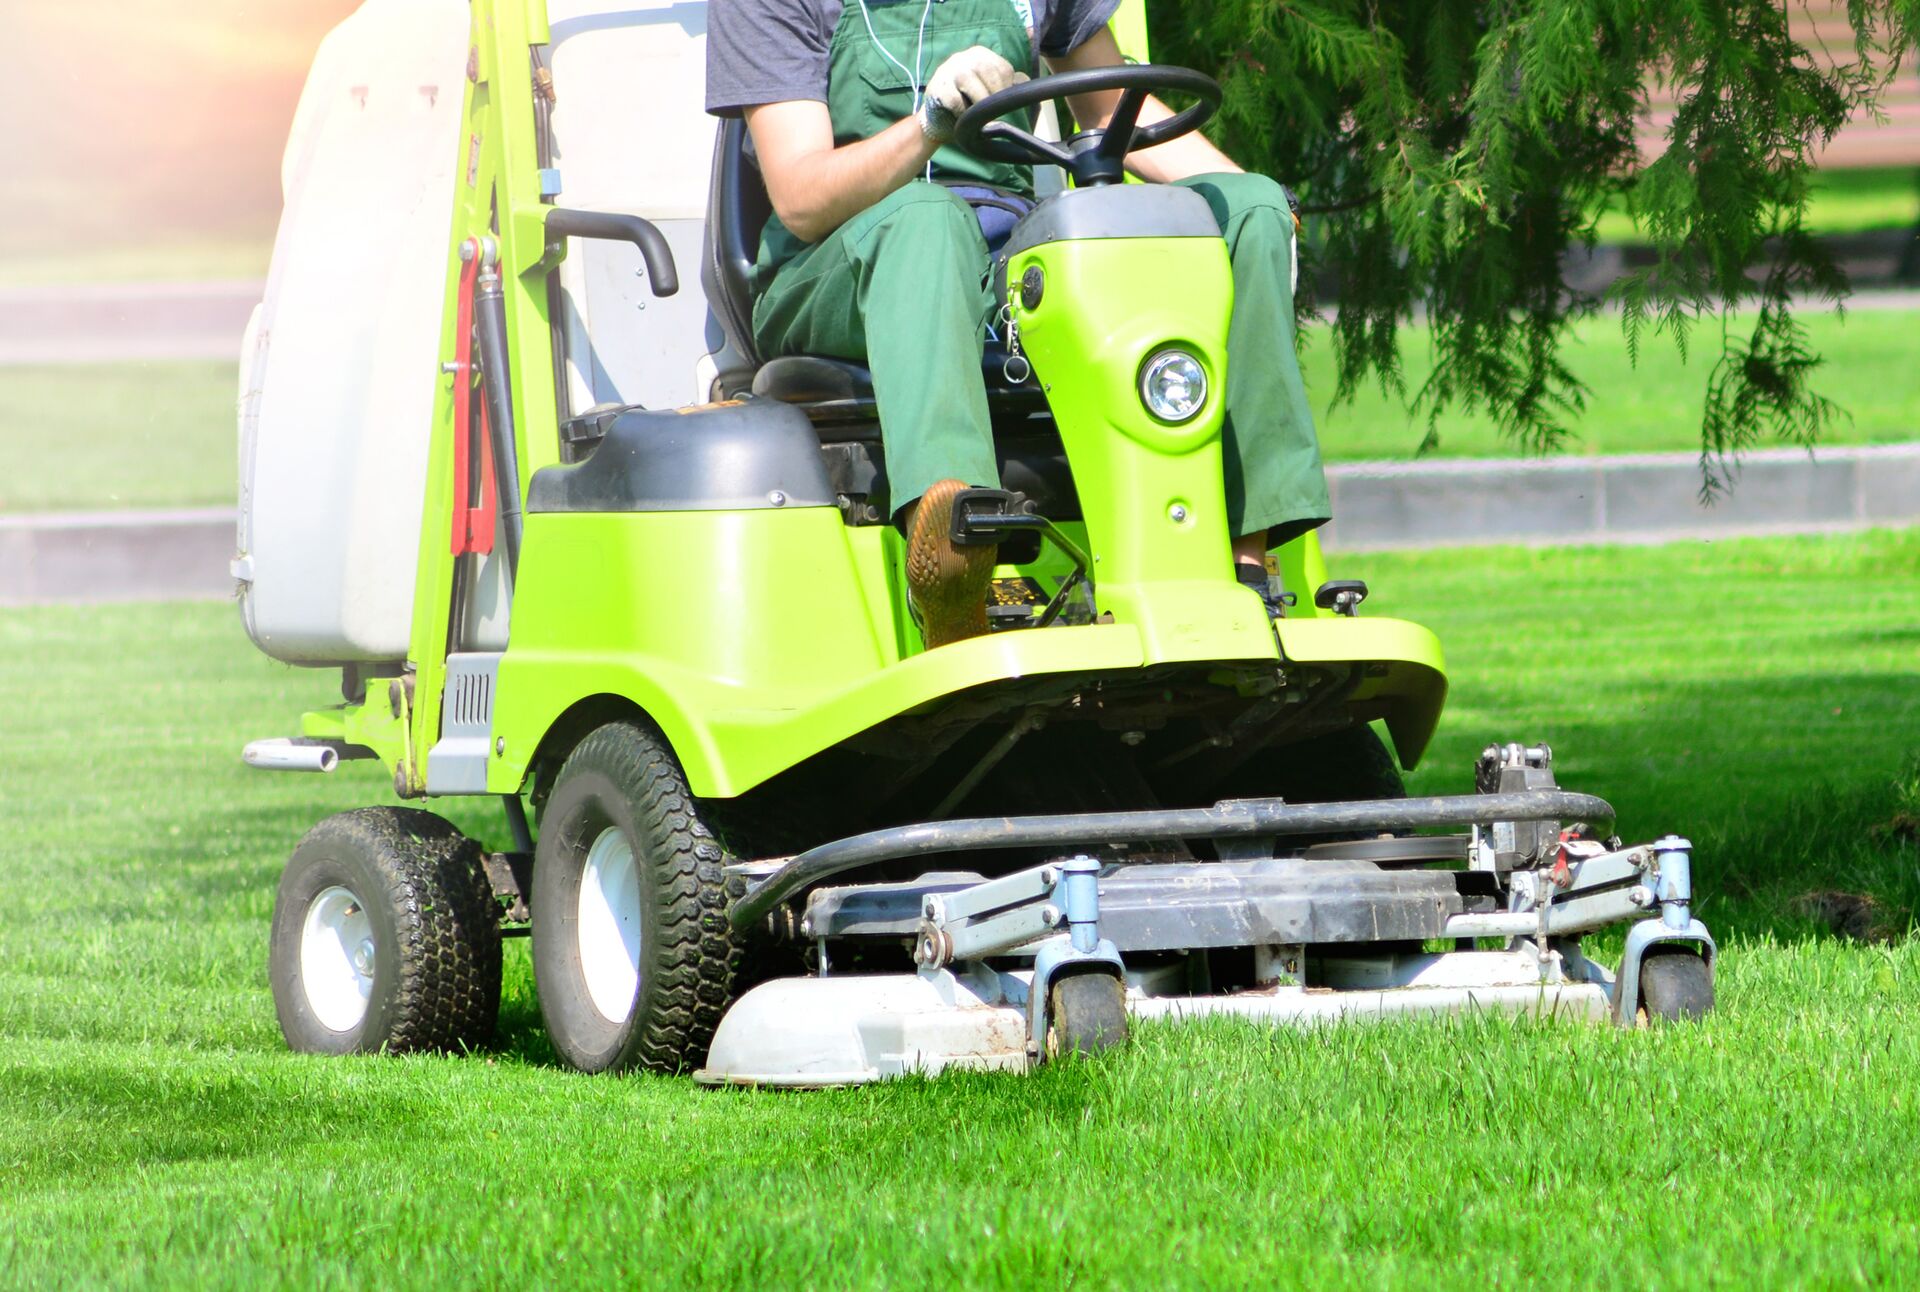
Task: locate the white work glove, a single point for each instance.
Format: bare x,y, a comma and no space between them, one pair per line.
959,83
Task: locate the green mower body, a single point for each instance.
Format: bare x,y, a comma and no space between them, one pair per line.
760,638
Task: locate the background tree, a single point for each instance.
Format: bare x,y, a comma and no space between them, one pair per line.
1456,150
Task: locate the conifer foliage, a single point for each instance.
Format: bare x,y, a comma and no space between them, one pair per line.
1449,153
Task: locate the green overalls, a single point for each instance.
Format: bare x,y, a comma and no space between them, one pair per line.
903,286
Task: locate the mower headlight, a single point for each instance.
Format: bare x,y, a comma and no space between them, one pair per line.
1173,385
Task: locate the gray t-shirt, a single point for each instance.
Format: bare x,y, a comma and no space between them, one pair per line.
771,51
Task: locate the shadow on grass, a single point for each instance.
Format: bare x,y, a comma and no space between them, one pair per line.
1785,785
103,1114
522,1033
1823,865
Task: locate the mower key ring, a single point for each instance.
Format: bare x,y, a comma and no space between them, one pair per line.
1098,156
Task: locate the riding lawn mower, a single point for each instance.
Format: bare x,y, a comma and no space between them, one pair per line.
575,546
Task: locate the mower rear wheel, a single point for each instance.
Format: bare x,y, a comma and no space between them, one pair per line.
1675,983
385,937
1086,1013
632,955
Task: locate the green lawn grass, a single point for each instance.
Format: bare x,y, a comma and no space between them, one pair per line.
1649,408
160,434
1842,201
1761,696
118,436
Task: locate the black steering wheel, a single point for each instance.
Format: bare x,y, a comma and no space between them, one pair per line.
1093,157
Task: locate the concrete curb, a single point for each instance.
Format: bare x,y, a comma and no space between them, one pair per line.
126,322
82,557
1638,498
1646,498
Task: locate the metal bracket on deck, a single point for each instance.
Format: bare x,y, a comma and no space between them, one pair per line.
1051,911
1590,892
1013,912
1672,889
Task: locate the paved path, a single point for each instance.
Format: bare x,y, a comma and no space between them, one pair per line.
1633,498
1650,498
122,322
92,557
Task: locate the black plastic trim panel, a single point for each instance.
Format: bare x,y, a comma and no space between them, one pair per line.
718,457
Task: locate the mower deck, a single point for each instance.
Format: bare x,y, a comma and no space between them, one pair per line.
1268,928
813,1032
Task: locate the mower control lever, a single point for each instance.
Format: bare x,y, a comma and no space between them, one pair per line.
611,226
1342,596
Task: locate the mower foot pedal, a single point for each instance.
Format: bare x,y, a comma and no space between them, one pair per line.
986,516
1267,585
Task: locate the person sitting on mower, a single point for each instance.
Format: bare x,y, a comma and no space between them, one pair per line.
862,261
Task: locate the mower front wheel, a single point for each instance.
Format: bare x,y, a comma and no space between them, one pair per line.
385,937
1675,983
1086,1013
632,954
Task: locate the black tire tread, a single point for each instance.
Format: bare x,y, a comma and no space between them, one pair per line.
692,973
1675,983
1087,1013
447,992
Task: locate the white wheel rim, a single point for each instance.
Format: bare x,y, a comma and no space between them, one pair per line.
337,958
609,926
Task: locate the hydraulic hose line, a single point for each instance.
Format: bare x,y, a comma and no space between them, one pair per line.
490,339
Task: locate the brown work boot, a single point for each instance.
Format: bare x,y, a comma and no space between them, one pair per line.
946,584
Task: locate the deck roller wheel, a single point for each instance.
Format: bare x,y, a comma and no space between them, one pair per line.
386,937
1086,1013
1675,983
632,954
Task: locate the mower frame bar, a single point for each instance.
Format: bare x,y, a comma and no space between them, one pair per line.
1232,819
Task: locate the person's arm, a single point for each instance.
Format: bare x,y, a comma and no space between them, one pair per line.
816,187
1180,158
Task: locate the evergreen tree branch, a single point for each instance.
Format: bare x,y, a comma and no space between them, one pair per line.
1455,152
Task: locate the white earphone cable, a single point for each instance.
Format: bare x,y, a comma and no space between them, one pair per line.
919,51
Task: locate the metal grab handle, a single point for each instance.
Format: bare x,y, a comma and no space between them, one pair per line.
610,226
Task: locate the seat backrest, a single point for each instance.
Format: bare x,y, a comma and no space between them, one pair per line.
631,134
737,210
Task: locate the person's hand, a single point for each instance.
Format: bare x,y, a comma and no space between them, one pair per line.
959,83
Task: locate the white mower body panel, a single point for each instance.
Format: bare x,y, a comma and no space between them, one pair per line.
838,1031
841,1031
340,371
339,368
